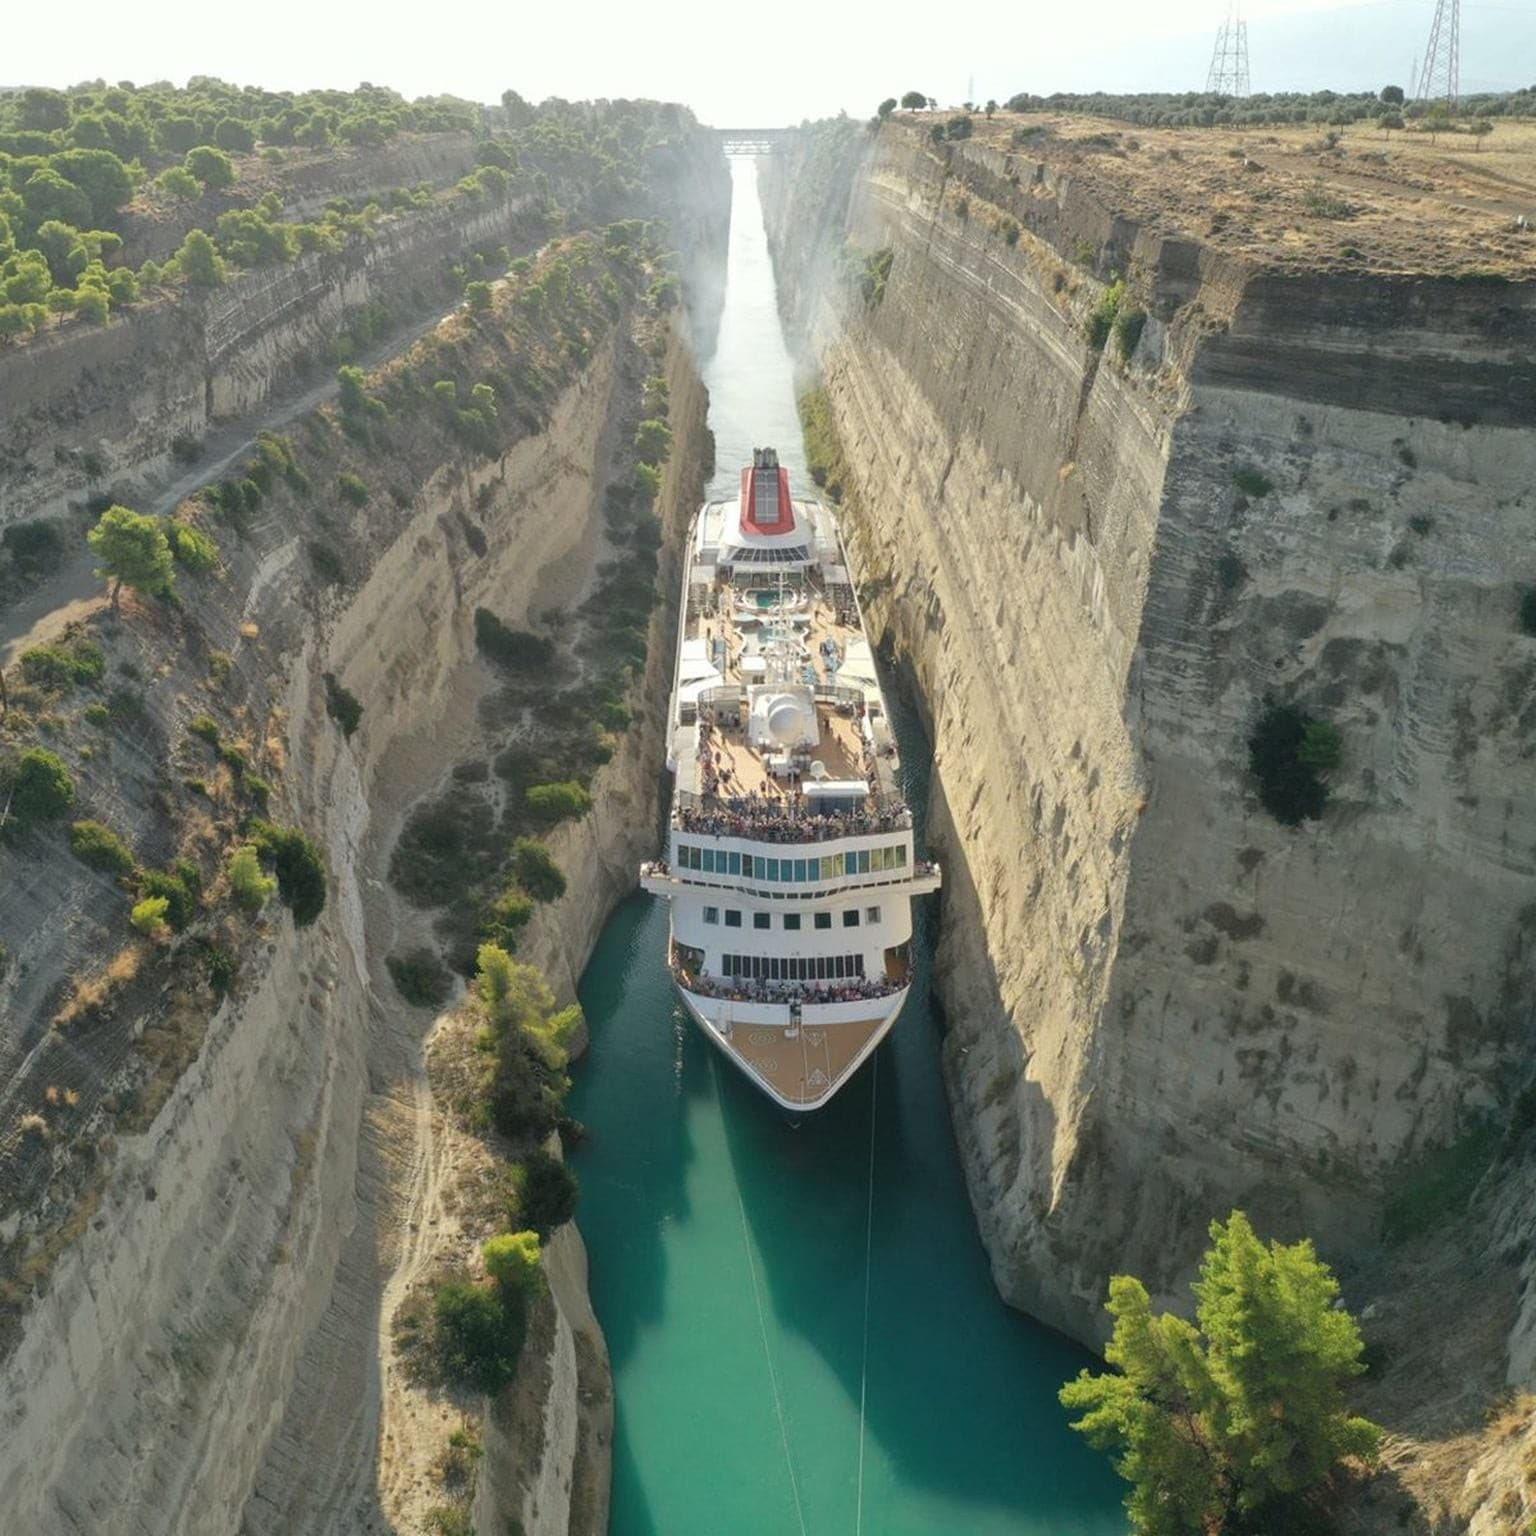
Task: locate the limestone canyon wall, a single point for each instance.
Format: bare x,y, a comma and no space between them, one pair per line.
1303,489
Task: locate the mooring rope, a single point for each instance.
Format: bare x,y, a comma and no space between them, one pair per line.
869,1249
762,1324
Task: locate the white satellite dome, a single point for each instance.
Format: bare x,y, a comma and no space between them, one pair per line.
785,717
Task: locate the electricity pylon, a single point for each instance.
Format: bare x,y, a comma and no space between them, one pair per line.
1229,58
1440,79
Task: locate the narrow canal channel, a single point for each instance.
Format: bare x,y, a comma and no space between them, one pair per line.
769,1381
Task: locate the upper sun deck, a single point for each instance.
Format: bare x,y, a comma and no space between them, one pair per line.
779,727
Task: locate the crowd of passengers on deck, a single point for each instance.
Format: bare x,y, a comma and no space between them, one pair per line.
750,989
769,821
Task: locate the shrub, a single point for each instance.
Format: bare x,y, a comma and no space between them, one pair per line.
547,1193
96,844
40,787
478,295
250,886
511,647
35,547
536,870
556,802
198,260
1101,318
480,1336
206,727
1130,321
191,547
653,441
512,1261
1251,483
148,916
178,887
353,489
1286,754
420,978
1528,611
299,867
56,668
327,563
342,705
212,167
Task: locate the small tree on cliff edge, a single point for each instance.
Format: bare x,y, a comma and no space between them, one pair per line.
1213,1423
134,552
914,101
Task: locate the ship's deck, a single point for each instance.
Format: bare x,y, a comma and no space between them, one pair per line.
721,657
801,1066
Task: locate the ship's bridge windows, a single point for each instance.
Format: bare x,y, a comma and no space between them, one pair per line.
733,863
850,917
762,919
792,967
822,919
732,918
711,914
792,922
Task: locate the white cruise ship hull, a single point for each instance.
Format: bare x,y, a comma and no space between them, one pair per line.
790,864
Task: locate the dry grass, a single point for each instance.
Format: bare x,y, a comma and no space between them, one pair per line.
1274,194
93,994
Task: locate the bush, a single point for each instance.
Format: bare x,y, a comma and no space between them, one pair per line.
1289,753
96,844
536,870
299,867
342,706
1101,319
547,1193
191,547
134,552
35,547
1251,483
327,563
353,489
478,296
512,1261
480,1336
556,802
39,787
653,441
205,727
148,916
1130,321
57,668
251,888
420,978
511,647
178,887
212,167
1528,611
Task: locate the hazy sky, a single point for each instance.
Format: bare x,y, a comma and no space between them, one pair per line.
737,65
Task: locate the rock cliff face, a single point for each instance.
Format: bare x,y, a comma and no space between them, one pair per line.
1307,489
208,1352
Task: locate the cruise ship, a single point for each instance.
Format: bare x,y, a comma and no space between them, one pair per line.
790,864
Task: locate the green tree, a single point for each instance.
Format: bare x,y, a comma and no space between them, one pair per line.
212,167
298,865
148,916
1480,130
478,295
43,109
914,101
178,182
1213,1421
512,1261
885,108
134,552
233,135
198,260
48,195
1388,121
251,888
101,176
1392,95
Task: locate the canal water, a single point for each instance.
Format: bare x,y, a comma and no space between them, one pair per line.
805,1337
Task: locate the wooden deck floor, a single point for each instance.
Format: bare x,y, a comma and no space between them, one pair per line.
801,1068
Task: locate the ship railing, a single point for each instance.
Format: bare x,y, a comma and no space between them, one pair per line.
714,816
747,989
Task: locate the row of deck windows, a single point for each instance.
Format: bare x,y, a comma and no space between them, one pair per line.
790,921
833,866
794,967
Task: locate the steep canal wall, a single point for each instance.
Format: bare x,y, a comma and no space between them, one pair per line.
1106,565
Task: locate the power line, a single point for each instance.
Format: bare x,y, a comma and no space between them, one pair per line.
1229,58
1440,79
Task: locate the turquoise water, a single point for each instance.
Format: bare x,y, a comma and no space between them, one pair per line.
729,1247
